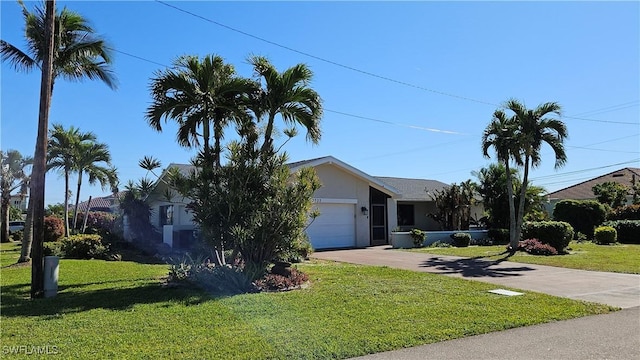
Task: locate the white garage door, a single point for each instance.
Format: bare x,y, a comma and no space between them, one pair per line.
334,228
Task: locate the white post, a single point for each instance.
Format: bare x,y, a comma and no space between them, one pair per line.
51,265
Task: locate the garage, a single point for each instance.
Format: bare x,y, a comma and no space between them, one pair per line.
334,228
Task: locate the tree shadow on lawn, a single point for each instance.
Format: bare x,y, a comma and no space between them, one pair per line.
474,267
16,302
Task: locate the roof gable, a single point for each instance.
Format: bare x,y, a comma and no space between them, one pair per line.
330,160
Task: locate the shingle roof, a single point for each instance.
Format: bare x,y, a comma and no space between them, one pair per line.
583,190
414,189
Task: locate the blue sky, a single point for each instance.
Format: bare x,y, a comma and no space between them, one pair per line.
427,77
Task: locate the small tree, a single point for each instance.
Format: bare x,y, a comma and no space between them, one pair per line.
252,205
611,193
454,206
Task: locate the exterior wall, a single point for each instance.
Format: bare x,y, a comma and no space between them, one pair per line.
19,202
338,184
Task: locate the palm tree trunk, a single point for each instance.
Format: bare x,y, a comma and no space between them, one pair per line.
513,236
267,134
66,202
5,220
75,211
40,156
27,236
523,193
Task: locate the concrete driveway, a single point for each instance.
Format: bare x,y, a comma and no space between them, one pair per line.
622,290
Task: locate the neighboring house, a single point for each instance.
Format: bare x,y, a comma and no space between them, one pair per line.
107,203
584,190
356,209
19,201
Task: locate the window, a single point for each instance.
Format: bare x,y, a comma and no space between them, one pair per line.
405,215
166,215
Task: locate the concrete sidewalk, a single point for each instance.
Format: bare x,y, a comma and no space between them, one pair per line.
622,290
609,336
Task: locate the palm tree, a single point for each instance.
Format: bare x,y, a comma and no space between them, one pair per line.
59,44
13,177
289,95
77,52
198,94
501,135
89,156
63,153
535,129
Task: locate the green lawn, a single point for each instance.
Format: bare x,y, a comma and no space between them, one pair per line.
622,258
122,310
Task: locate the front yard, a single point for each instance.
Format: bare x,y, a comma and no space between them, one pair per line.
622,258
123,310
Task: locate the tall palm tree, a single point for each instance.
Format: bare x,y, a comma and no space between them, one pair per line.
198,94
77,52
13,176
286,94
535,129
89,157
60,44
500,135
64,146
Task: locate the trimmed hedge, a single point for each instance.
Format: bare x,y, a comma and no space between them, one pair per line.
499,236
461,239
558,234
628,230
604,235
628,212
84,246
583,215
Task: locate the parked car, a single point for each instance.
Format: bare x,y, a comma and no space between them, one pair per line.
16,226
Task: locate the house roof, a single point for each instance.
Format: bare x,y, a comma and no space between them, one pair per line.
104,203
584,190
414,189
383,186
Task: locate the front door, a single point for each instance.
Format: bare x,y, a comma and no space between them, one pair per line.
378,218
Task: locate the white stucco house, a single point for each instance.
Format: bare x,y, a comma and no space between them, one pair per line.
356,209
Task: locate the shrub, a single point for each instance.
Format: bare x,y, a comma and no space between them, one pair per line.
499,236
583,215
98,221
17,235
219,280
52,249
440,244
418,237
481,242
605,235
535,247
628,212
84,246
53,228
461,239
580,237
277,282
558,234
628,230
